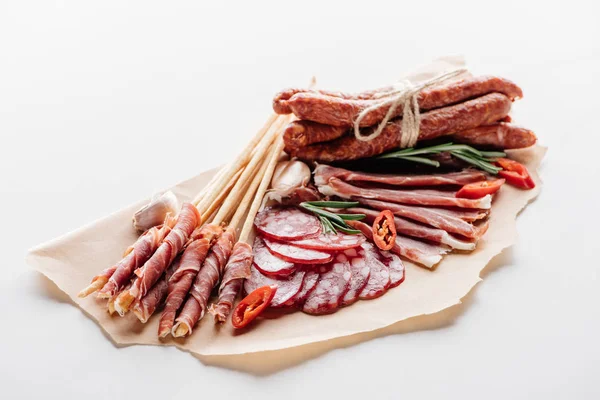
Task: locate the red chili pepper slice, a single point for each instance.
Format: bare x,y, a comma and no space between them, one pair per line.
515,173
477,190
384,230
252,305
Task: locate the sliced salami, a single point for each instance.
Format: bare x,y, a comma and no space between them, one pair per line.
296,254
308,284
269,264
331,242
287,224
395,266
360,270
286,287
331,287
379,279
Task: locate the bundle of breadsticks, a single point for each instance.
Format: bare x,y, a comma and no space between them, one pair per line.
470,110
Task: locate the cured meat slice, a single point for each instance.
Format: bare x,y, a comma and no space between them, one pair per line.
395,267
299,255
413,229
331,287
237,269
379,278
465,215
360,270
330,242
336,187
180,282
150,273
287,224
308,284
323,173
196,304
269,264
432,217
286,287
420,252
118,276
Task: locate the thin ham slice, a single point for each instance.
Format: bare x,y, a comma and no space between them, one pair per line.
337,187
465,215
431,217
287,224
195,307
331,242
287,287
299,255
269,264
144,308
323,173
419,252
150,273
237,269
416,230
180,282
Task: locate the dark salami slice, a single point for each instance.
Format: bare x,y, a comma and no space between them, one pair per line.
286,287
331,242
308,284
269,264
379,279
359,267
287,224
395,266
296,254
331,287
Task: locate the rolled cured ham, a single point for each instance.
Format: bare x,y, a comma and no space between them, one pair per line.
337,187
323,173
114,279
412,229
237,269
212,269
150,273
432,217
180,282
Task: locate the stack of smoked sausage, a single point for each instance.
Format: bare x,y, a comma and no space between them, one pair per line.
473,110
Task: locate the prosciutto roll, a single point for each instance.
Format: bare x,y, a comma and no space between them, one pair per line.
237,269
114,279
323,173
337,187
150,273
180,282
212,269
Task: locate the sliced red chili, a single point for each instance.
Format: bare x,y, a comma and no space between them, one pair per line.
515,173
477,190
252,305
384,230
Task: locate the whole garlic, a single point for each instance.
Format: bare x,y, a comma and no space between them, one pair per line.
154,213
288,176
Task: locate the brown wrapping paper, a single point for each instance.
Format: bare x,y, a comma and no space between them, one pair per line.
72,260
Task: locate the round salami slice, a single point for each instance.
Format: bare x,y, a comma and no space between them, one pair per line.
379,279
269,264
395,267
360,275
286,287
331,242
331,287
296,254
308,284
287,224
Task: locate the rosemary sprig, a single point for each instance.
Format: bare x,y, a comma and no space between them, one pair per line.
479,159
333,222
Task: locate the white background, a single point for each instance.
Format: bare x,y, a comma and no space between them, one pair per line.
103,103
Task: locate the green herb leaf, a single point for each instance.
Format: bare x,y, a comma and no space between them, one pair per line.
346,229
327,227
352,217
332,204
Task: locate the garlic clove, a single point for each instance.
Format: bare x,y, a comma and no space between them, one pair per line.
154,213
289,175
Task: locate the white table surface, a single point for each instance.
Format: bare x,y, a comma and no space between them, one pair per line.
103,103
